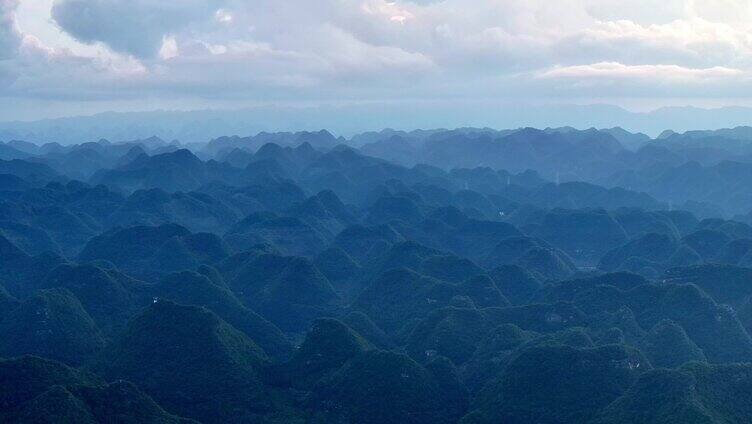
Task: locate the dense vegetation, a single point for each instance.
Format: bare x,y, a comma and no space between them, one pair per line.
466,276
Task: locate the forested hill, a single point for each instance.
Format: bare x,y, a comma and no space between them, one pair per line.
434,276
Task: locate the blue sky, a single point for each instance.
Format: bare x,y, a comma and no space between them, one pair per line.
65,57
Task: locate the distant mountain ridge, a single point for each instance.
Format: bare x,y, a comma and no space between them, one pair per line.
203,125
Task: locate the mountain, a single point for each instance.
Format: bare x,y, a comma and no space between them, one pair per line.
515,283
492,354
327,347
627,139
722,338
203,125
289,291
652,252
179,170
667,346
291,236
31,172
693,393
385,387
535,255
364,243
426,261
108,296
22,273
585,235
7,303
152,251
342,271
397,299
190,288
51,324
196,211
191,362
467,275
450,332
41,390
559,384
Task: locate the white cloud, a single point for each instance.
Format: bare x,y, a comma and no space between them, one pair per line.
658,73
223,16
373,49
135,27
9,36
169,48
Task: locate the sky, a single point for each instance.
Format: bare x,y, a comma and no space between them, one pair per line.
68,57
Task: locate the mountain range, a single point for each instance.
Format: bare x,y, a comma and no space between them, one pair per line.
466,276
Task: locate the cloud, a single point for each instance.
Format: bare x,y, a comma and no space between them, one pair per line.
614,70
135,27
693,43
10,38
267,50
